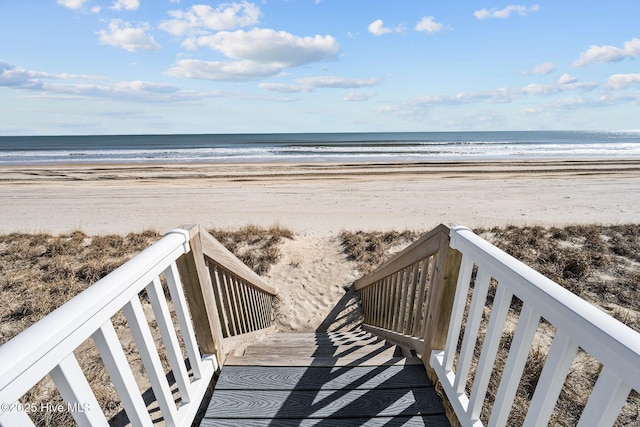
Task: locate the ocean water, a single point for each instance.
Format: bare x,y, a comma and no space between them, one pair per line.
319,147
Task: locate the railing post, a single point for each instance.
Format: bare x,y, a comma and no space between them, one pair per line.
440,296
200,296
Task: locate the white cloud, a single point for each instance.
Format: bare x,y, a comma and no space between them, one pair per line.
308,84
544,68
608,54
284,87
122,34
223,71
72,4
506,12
621,81
357,97
497,96
377,28
202,18
69,86
126,5
337,82
18,77
96,9
567,79
272,47
429,25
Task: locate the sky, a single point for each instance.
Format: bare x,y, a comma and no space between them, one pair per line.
86,67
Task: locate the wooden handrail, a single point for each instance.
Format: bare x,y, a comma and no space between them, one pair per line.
233,300
425,246
408,299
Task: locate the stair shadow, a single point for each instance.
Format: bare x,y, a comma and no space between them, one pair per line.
386,399
345,316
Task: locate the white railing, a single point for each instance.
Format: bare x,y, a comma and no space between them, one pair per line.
578,325
46,348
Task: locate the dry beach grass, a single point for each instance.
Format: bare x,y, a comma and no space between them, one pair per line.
39,272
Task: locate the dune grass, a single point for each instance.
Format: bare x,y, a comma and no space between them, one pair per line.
257,247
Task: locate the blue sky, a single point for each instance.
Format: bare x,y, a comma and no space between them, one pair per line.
169,66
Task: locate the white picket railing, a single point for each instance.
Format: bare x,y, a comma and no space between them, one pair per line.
578,324
46,348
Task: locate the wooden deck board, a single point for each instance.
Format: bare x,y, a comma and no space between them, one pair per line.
327,379
278,360
404,421
322,350
323,403
304,378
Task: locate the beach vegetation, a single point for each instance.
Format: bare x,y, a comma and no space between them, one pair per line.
258,247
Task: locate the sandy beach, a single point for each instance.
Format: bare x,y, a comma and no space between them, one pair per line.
318,198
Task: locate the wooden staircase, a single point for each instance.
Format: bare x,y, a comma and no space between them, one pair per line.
324,378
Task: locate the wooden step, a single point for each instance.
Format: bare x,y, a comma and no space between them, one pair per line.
321,378
323,404
280,360
404,421
296,349
333,379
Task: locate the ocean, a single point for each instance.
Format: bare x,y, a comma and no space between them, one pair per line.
319,147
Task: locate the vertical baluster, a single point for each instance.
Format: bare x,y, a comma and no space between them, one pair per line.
220,300
247,305
258,306
471,331
411,298
522,339
389,301
121,376
184,319
75,390
396,299
233,309
255,309
240,304
384,302
606,400
169,338
365,306
556,368
460,302
376,307
421,309
404,291
264,320
149,354
499,312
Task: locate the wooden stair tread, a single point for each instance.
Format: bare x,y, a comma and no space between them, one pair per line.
323,403
351,360
404,421
340,378
322,378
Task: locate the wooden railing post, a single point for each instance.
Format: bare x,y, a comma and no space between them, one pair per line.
200,296
440,296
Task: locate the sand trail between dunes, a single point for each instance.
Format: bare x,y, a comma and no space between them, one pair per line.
312,278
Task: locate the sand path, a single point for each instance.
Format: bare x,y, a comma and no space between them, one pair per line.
312,277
